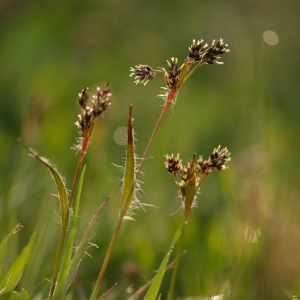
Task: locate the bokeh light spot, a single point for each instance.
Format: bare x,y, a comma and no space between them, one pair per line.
271,37
120,135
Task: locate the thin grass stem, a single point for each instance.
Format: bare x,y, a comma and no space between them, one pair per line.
175,269
107,256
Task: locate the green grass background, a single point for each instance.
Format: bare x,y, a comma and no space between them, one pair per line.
50,50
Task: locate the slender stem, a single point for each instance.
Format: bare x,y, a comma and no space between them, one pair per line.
171,96
175,269
84,146
107,256
144,287
57,262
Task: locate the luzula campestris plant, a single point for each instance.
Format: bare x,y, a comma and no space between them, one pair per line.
199,54
193,176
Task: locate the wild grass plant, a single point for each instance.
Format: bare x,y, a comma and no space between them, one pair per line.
188,178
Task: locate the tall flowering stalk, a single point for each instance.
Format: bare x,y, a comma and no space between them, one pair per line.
192,177
85,124
199,54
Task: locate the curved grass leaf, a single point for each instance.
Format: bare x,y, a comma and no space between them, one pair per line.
3,244
12,276
154,288
62,286
13,295
129,176
64,208
190,188
126,198
85,240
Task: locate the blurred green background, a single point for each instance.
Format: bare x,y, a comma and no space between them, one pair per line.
51,50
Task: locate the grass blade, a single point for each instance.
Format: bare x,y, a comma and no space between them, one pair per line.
85,239
64,208
3,244
126,198
129,175
154,288
11,278
13,295
62,284
190,188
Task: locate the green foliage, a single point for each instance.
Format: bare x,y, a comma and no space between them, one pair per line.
10,279
155,286
47,55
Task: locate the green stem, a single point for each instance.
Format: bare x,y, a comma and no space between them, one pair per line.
85,143
175,269
152,139
57,262
107,256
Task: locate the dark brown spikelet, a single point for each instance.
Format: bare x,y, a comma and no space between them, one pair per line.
172,77
142,74
173,164
212,53
196,50
83,98
184,172
203,166
101,100
216,161
84,121
88,114
219,158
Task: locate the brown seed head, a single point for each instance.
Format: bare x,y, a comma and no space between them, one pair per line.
196,50
172,78
88,114
184,172
203,166
84,121
210,56
142,74
219,158
173,163
101,100
83,98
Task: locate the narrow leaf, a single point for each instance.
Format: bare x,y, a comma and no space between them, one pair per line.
62,192
13,295
102,297
62,282
86,238
129,177
11,278
3,244
154,289
190,188
64,208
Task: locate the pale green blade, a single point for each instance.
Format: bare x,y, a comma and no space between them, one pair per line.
62,282
154,288
12,276
128,181
3,244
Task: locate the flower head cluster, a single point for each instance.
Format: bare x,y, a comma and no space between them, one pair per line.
195,172
142,74
216,161
199,54
89,115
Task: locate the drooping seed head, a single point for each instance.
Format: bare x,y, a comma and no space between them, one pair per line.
210,56
142,74
173,163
